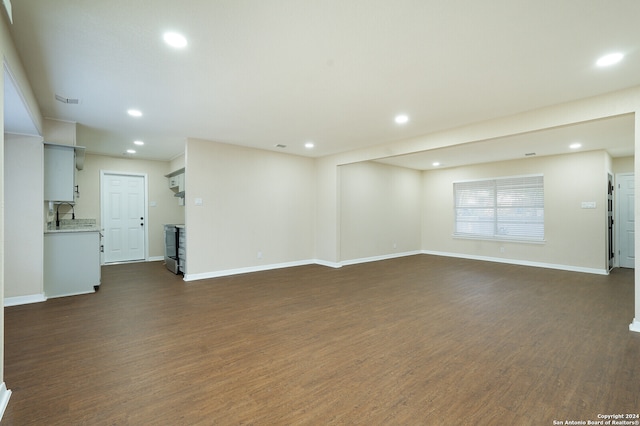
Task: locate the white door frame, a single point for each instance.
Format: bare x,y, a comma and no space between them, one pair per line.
616,195
103,173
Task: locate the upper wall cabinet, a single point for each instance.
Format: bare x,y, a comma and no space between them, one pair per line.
60,163
176,184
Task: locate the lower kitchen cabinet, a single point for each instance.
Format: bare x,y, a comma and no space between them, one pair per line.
71,263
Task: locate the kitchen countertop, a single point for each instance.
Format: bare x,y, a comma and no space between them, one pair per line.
73,225
79,229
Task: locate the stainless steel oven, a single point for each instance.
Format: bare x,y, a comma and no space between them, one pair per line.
171,248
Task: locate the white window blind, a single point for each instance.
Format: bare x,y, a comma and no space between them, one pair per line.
502,208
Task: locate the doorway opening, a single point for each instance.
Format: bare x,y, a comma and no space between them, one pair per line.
610,241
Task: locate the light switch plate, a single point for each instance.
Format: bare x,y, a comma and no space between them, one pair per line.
588,205
198,201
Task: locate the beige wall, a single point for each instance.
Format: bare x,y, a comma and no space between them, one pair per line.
623,165
253,201
12,61
379,210
58,131
636,161
3,41
23,173
327,227
166,208
608,105
575,237
176,163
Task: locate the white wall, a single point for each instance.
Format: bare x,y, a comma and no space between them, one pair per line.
575,237
166,208
379,210
23,220
12,60
253,201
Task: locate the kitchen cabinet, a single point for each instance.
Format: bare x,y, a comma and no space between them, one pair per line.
71,263
176,180
60,163
176,184
59,173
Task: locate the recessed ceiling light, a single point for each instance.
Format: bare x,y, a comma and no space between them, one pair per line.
139,143
175,40
134,113
401,119
575,145
309,145
131,151
435,164
610,59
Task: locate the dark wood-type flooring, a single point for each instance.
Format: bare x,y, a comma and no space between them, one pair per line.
420,340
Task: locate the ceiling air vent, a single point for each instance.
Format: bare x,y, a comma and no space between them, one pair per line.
67,100
280,146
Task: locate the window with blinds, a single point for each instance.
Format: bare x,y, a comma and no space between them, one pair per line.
501,208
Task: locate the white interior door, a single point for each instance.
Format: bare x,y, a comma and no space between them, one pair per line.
123,217
626,219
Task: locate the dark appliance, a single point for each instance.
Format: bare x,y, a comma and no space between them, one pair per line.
172,248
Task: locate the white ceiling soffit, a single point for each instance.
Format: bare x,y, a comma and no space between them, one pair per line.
615,135
17,118
7,7
259,73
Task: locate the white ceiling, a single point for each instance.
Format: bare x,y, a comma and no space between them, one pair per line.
264,72
616,135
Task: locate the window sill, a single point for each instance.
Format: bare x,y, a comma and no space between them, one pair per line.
498,239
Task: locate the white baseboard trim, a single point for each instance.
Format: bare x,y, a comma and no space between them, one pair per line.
5,394
155,258
228,272
336,265
75,293
24,300
327,263
377,258
521,262
635,325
